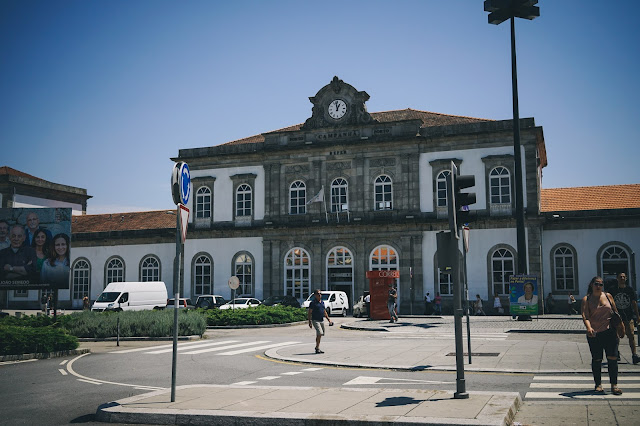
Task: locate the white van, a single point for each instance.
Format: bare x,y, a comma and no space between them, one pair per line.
132,296
334,302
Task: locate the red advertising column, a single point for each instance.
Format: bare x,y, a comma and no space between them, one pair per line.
379,282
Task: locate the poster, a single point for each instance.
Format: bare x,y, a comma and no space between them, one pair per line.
35,246
523,294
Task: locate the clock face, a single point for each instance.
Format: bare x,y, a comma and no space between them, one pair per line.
337,109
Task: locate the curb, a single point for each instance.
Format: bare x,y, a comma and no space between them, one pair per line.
135,339
43,355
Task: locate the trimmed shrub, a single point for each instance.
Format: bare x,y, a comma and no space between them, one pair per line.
15,340
27,321
255,316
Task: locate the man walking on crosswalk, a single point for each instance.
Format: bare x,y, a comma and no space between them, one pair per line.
316,316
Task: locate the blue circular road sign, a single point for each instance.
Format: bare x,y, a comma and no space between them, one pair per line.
185,183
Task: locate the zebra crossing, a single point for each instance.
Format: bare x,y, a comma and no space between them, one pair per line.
221,348
572,387
442,335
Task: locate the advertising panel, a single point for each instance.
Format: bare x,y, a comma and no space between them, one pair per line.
35,246
523,294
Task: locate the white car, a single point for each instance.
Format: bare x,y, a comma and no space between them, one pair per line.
334,302
241,303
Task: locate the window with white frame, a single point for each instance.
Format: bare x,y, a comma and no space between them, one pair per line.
445,283
297,273
383,258
297,198
202,275
243,267
500,185
383,196
339,267
339,195
441,188
564,269
80,279
502,267
615,259
203,203
114,271
243,200
150,269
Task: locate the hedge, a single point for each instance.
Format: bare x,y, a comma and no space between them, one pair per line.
15,340
255,316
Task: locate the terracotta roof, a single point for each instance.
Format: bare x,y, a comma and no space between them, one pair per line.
429,119
6,170
124,221
590,198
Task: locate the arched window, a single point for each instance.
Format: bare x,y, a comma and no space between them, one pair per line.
383,193
114,271
243,200
297,273
339,195
564,269
384,258
81,277
502,267
340,270
203,203
441,188
202,275
243,269
500,184
615,259
150,269
297,198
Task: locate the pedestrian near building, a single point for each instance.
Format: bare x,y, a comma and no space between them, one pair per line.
43,302
437,303
497,304
596,316
478,306
550,303
427,304
85,303
316,315
367,302
571,301
625,300
391,303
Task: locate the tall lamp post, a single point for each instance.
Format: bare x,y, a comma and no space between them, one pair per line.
500,11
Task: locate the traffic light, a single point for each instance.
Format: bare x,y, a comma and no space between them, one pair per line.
458,202
501,10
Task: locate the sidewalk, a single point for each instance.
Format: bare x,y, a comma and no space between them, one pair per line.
414,343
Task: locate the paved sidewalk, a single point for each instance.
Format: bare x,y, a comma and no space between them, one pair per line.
414,343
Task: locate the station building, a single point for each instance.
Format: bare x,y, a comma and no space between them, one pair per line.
318,204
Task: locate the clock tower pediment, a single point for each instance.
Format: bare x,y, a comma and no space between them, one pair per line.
338,104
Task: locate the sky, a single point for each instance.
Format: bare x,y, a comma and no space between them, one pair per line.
102,94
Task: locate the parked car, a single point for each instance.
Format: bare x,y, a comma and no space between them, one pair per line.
131,296
281,299
183,303
334,302
210,301
241,303
360,308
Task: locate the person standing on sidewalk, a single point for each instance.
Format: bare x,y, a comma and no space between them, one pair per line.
625,299
427,304
438,304
478,305
572,303
391,303
316,315
497,304
596,315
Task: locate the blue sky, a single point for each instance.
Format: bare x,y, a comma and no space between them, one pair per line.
100,94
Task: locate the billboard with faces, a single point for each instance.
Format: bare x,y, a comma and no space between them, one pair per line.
35,247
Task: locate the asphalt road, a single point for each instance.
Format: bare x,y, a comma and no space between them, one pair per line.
68,390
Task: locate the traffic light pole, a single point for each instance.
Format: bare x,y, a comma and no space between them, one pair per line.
461,392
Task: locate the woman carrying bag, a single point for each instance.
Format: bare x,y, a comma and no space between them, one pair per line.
598,314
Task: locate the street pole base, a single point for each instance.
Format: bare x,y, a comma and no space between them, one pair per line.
461,395
524,318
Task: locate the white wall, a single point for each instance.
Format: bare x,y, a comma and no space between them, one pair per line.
28,201
222,252
223,192
587,242
472,164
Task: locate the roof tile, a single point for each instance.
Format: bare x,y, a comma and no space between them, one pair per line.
591,198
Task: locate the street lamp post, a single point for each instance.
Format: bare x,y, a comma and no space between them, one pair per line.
500,11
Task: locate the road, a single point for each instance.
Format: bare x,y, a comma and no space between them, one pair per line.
68,390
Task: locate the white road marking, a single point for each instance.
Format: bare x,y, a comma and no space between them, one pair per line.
582,387
313,369
16,362
291,373
239,345
243,383
181,348
583,378
90,380
258,348
170,345
268,378
63,362
570,396
364,380
62,371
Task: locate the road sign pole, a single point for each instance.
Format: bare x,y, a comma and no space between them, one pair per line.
176,286
461,392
